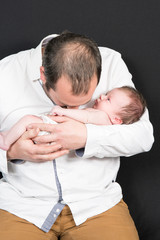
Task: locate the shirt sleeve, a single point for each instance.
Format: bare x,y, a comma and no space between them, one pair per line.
3,161
118,140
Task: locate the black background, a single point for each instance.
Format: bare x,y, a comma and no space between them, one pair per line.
131,27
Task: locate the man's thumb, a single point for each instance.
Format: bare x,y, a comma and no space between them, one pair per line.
31,133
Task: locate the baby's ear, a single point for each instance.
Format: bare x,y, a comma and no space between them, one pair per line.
116,120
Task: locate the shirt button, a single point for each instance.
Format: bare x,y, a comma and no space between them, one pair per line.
58,210
54,215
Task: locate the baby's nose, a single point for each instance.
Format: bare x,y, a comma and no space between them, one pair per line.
102,97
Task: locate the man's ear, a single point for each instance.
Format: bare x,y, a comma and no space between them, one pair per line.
42,76
116,120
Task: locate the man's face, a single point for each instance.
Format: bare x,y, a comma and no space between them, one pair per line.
64,97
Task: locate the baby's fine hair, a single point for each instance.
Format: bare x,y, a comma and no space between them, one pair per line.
134,110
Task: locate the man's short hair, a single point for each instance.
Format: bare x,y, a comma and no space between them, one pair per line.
74,56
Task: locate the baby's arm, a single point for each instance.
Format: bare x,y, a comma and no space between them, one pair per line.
88,115
10,136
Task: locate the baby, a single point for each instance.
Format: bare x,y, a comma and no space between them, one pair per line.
123,105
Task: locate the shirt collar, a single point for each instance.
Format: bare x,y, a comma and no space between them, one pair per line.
35,61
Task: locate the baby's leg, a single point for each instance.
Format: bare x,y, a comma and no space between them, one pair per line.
10,136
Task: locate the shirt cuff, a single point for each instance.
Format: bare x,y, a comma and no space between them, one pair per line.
94,138
91,148
3,161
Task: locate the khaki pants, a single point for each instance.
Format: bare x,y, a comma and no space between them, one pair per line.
114,224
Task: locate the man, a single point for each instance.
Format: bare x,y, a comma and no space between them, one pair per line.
74,196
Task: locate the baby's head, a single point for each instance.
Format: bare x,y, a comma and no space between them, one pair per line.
122,105
132,112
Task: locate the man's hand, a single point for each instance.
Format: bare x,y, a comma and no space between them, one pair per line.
69,134
25,149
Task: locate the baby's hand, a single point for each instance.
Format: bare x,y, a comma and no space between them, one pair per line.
57,110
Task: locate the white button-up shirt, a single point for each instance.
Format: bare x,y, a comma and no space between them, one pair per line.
88,183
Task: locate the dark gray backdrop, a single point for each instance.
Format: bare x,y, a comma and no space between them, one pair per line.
131,27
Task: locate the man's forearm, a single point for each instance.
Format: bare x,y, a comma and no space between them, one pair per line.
119,140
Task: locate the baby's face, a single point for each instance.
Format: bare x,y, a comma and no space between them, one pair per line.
112,102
